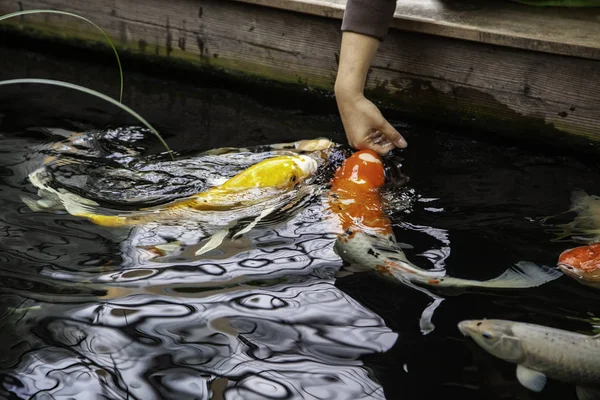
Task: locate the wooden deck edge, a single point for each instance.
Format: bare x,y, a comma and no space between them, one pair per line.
407,19
529,96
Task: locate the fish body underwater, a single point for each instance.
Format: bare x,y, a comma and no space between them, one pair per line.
367,238
541,352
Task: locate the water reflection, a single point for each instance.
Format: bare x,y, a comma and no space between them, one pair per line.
278,342
93,312
134,313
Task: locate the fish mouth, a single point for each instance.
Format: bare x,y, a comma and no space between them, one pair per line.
467,328
306,164
565,266
569,269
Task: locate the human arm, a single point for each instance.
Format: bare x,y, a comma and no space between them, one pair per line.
365,23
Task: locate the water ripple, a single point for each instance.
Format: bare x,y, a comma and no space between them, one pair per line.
290,341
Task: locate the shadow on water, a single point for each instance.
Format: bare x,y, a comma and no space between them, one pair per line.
93,312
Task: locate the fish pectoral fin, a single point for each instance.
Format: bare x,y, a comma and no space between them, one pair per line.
252,224
426,320
353,267
170,247
586,393
532,380
215,241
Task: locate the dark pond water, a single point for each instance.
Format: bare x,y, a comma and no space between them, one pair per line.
89,313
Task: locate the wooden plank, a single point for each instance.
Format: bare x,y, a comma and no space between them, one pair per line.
449,81
567,31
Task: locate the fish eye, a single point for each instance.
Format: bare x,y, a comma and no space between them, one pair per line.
486,335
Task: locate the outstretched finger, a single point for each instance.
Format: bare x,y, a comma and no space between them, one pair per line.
382,148
393,135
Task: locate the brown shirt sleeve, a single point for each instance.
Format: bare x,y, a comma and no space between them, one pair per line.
369,17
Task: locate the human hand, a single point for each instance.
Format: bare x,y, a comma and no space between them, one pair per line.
365,126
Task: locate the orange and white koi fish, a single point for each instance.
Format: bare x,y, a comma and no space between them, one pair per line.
368,239
582,263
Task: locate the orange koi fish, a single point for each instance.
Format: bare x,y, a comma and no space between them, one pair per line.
368,239
582,263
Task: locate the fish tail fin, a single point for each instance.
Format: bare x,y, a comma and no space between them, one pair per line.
82,207
587,207
56,199
522,275
586,224
44,204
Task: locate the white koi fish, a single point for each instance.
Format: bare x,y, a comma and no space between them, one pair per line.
541,352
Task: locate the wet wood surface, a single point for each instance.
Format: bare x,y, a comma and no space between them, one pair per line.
467,83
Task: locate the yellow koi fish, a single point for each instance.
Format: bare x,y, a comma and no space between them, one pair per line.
266,178
256,192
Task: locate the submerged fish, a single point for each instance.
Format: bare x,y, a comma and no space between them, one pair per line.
306,145
585,227
368,240
582,263
541,352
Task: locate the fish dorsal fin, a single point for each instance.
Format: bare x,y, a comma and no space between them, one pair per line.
532,380
585,393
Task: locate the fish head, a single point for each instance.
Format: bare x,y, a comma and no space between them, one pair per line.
581,262
494,336
363,170
307,166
